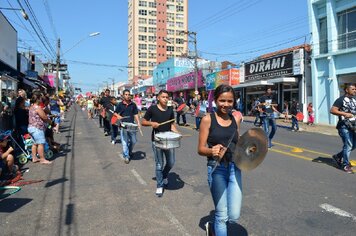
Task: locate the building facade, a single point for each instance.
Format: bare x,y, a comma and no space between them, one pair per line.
333,27
156,32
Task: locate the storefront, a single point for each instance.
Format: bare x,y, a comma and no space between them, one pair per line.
284,72
186,84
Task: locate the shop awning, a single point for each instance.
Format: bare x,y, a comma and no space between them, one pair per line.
256,83
283,80
26,81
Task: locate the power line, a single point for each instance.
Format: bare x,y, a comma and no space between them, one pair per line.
49,14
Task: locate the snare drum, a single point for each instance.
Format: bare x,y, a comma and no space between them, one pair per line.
182,109
129,126
167,140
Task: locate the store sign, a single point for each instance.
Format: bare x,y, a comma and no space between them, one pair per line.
229,77
280,65
184,82
8,43
298,61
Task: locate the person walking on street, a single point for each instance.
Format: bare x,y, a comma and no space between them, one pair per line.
267,108
105,102
218,137
179,101
154,116
255,111
114,128
345,108
129,110
294,111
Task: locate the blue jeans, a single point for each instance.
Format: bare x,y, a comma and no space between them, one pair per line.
162,173
269,121
197,122
226,190
349,139
178,118
114,132
295,122
128,141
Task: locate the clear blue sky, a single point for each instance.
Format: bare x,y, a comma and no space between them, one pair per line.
242,28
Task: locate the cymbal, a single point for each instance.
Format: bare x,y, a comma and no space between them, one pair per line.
251,149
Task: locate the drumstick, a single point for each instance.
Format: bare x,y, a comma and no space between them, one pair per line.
139,128
168,121
186,135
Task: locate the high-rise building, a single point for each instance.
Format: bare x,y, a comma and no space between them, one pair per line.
156,32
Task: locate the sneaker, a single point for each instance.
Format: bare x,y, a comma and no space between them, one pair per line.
106,133
113,142
122,156
186,124
165,181
127,160
209,229
159,192
348,169
337,160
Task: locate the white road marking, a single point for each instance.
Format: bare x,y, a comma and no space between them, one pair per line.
175,221
138,177
337,211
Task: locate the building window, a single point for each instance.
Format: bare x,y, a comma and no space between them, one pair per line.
180,8
153,13
142,55
170,32
170,7
323,36
142,20
142,3
180,24
142,38
152,21
142,63
152,47
142,12
152,30
142,46
152,4
179,41
152,38
346,28
150,72
142,29
170,48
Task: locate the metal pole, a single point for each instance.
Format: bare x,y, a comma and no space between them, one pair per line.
58,61
195,62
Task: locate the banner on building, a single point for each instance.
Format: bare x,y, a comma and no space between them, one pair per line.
184,82
229,77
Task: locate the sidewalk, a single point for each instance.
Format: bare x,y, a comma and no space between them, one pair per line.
303,127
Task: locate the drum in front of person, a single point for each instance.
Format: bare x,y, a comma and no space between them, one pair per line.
130,126
300,116
182,109
167,140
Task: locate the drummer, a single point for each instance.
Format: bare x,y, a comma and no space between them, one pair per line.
155,115
179,101
218,135
127,109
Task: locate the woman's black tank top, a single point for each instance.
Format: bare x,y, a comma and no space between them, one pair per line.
222,135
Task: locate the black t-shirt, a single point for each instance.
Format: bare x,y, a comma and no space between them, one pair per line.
21,117
105,102
154,114
267,100
345,104
179,100
127,110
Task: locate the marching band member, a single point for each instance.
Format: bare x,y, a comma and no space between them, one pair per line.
127,111
218,135
345,108
155,115
179,101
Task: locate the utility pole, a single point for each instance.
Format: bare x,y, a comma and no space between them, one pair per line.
113,85
193,36
58,62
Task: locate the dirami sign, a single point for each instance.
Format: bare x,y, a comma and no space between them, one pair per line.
184,82
229,77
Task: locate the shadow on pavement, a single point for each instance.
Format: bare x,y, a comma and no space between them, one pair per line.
56,181
174,182
136,156
326,160
9,205
233,229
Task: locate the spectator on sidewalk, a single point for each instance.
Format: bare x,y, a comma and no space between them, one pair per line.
310,111
21,116
7,162
345,108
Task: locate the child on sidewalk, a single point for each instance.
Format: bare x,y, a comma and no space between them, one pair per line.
7,159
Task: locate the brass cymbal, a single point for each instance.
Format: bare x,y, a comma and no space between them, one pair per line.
251,149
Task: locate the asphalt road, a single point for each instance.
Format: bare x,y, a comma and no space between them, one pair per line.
89,190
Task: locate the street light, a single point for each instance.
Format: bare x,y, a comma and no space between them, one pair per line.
58,60
23,13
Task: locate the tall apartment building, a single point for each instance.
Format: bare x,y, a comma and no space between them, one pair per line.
156,32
